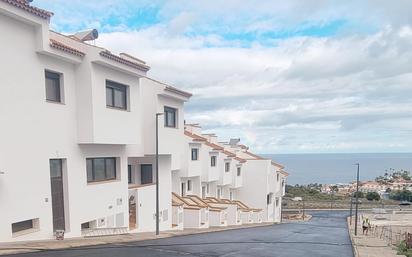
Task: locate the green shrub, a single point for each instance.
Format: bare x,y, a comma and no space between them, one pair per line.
403,250
373,196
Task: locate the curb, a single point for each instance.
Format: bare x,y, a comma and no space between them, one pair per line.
166,234
354,247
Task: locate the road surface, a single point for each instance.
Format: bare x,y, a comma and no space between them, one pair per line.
325,235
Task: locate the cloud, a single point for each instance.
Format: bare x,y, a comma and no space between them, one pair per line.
288,76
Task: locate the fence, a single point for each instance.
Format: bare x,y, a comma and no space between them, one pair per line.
392,234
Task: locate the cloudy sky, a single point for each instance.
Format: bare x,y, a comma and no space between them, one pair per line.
290,76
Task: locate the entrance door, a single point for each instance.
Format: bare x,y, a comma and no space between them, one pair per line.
132,212
57,194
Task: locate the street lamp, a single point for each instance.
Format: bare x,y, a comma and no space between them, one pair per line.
157,172
357,200
303,208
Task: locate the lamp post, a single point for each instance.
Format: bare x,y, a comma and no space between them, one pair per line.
303,208
157,172
357,200
350,211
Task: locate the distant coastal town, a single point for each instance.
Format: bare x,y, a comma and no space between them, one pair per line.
393,188
396,185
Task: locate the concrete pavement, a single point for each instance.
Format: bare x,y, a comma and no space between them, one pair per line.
369,245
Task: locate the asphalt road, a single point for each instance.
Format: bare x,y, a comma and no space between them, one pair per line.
325,235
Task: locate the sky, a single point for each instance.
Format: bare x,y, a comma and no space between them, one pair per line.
292,76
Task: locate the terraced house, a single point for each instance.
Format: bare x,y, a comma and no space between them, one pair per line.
77,150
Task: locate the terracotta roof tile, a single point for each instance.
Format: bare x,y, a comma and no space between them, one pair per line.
24,5
229,154
241,160
214,146
255,156
65,48
138,66
277,165
195,137
284,173
178,91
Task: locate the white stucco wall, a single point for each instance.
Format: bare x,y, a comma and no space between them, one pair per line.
34,131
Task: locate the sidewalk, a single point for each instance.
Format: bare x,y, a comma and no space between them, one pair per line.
33,246
369,246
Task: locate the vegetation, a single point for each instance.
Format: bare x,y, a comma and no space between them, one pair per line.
392,175
360,194
403,249
404,195
309,192
373,196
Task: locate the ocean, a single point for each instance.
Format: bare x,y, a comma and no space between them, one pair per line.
339,168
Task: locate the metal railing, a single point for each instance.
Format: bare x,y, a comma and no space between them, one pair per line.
393,235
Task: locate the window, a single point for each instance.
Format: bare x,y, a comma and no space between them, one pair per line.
129,174
170,117
53,89
25,225
277,177
231,196
277,202
213,161
239,171
207,188
195,153
116,95
269,199
183,189
203,191
146,174
219,191
189,185
227,166
101,169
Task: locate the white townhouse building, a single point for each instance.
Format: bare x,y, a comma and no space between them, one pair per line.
264,184
77,134
211,171
227,170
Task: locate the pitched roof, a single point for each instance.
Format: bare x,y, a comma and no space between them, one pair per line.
239,204
24,5
65,48
214,146
284,173
116,58
195,137
241,160
277,165
244,206
229,154
178,91
257,157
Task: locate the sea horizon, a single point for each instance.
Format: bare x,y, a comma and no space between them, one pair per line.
329,168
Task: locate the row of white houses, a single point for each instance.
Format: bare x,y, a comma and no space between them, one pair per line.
77,144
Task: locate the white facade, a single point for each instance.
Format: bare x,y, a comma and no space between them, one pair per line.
234,174
99,132
77,127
